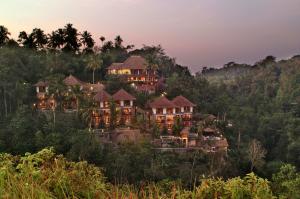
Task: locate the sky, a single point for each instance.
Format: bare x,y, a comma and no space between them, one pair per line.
196,32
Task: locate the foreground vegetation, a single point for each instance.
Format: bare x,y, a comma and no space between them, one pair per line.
46,175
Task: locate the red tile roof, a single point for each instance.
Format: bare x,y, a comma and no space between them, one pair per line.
73,81
222,143
145,88
136,62
95,88
133,62
114,66
182,101
102,96
42,83
162,102
122,95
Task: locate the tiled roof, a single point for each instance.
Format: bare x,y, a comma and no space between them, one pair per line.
42,83
182,101
222,143
162,102
72,81
102,96
133,62
114,66
93,87
209,130
123,95
145,88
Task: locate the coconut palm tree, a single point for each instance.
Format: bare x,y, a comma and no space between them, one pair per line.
118,42
40,39
26,40
87,40
4,35
87,113
95,62
102,39
56,39
107,46
72,44
152,64
75,93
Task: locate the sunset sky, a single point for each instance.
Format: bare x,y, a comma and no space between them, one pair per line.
196,32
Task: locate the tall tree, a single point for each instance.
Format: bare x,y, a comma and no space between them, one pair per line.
26,40
95,62
107,47
102,39
118,42
88,42
56,39
256,154
4,35
152,66
72,43
39,38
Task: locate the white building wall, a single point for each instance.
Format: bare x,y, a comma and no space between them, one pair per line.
164,111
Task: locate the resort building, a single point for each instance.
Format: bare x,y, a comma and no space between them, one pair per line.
44,102
184,109
134,70
125,106
165,112
101,117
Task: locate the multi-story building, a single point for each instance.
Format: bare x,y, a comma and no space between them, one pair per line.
134,70
164,112
44,102
125,108
101,117
125,105
184,109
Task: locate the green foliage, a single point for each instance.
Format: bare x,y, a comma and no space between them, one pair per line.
46,175
286,183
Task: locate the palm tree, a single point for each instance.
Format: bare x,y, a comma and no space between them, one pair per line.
152,64
72,43
107,46
4,35
40,39
56,39
87,40
75,93
118,41
26,40
95,62
86,114
102,39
